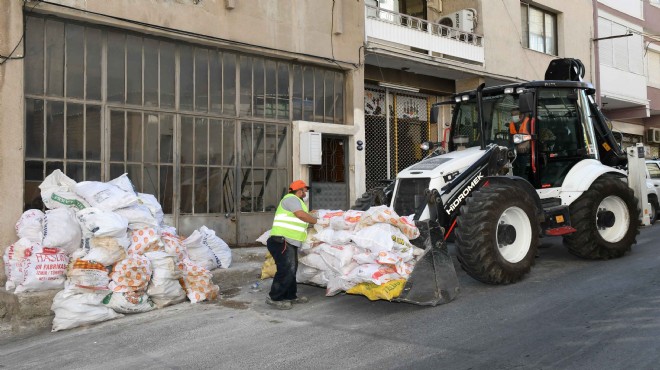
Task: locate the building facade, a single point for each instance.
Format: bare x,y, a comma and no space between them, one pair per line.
628,58
202,103
420,51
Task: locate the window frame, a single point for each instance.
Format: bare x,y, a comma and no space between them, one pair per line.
525,37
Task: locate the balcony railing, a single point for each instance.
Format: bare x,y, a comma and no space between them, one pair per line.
433,38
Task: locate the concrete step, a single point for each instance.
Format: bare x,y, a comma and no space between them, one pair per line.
27,312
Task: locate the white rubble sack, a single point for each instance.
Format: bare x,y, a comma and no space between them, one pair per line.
61,230
129,302
106,251
105,195
57,191
43,269
13,260
97,222
73,308
139,217
30,225
164,288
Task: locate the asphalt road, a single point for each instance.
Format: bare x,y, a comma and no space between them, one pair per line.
566,314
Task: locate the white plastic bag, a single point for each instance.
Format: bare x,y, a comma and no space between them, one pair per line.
123,183
129,302
61,230
86,276
30,225
164,288
106,251
220,249
99,223
43,269
198,252
73,308
380,237
57,191
105,195
13,260
150,201
138,216
263,239
330,236
377,274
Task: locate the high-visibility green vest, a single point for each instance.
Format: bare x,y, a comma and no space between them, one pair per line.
286,223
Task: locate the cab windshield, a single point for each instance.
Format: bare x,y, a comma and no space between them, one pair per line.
497,113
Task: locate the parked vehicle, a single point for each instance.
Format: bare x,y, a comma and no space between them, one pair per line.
653,185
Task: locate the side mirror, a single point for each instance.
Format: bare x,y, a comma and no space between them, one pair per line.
526,102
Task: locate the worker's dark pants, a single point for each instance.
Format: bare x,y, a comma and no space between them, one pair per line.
286,259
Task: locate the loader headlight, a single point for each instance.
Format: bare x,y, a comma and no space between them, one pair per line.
425,145
457,99
465,97
508,90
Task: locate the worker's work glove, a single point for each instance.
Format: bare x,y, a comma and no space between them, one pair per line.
323,222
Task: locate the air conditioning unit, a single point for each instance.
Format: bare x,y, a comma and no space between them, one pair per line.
653,135
464,20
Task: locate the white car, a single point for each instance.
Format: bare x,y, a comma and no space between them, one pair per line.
653,186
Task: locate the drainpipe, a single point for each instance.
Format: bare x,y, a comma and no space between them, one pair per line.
596,52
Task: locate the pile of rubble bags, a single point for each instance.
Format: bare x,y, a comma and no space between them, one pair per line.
359,252
107,249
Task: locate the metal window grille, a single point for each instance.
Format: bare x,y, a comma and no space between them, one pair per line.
102,101
395,126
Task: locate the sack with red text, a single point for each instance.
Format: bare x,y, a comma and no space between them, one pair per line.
43,269
13,260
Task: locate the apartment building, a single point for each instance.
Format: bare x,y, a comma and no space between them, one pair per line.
202,102
420,51
628,57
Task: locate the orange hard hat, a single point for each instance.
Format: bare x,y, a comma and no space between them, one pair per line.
297,185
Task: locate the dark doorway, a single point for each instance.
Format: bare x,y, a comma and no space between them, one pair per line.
328,181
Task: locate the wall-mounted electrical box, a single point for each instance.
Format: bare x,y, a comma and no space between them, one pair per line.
310,148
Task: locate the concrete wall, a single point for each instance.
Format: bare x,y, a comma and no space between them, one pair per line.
298,26
502,33
11,124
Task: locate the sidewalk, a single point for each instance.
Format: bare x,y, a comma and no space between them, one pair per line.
27,312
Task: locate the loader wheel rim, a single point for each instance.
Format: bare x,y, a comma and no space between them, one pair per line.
616,207
514,234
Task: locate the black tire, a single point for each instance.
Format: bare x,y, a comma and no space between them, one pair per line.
654,210
594,238
372,198
482,250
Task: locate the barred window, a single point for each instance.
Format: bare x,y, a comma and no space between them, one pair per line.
205,130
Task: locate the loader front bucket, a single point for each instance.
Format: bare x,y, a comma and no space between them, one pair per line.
433,281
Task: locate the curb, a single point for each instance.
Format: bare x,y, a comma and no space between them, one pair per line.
29,312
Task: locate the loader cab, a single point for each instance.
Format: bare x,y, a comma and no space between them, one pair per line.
560,127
